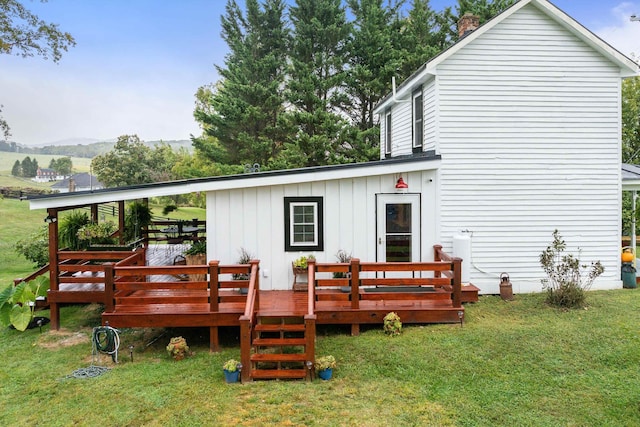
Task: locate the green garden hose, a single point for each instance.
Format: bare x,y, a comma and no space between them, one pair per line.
106,340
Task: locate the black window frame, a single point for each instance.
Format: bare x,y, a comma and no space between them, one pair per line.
289,245
417,135
387,132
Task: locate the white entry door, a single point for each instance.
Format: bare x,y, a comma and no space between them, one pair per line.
398,227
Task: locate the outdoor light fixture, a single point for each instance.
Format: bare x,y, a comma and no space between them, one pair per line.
50,219
401,186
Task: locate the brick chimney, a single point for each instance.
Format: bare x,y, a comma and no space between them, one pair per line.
72,185
467,24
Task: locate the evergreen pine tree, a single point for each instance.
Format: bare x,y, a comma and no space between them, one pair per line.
316,84
243,111
17,169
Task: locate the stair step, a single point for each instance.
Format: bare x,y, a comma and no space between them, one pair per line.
279,357
269,374
287,327
279,341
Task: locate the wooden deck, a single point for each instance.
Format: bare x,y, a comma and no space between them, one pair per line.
145,288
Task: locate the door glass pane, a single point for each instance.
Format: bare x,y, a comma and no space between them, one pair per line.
398,232
398,218
399,248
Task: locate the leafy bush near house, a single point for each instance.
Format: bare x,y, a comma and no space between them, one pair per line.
68,230
35,248
392,324
566,281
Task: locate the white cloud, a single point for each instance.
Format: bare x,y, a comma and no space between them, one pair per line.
624,34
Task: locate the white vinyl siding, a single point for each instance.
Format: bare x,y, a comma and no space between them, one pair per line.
529,136
430,116
401,124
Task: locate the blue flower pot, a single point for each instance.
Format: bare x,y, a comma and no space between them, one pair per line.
231,377
325,374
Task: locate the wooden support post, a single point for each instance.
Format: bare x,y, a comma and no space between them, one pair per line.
436,258
121,221
53,266
310,343
457,282
245,348
355,292
94,212
109,285
214,340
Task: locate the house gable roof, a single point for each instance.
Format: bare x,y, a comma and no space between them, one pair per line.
81,180
628,68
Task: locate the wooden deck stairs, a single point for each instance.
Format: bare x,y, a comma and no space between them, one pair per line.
279,348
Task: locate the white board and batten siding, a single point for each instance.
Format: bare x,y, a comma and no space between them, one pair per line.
529,138
253,219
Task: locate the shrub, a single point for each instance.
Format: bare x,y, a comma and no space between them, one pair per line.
35,248
68,230
566,281
392,324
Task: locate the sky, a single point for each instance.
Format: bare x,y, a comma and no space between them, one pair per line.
138,64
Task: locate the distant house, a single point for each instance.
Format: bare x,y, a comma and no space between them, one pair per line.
47,175
511,133
78,182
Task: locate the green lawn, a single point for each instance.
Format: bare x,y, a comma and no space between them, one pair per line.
7,160
512,364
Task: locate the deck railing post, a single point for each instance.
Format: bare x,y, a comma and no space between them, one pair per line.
310,343
214,283
245,348
255,267
436,258
311,286
457,282
109,285
355,283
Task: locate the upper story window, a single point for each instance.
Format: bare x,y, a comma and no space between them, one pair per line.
387,132
304,230
418,120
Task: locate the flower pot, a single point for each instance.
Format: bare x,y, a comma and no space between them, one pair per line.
326,374
231,377
200,259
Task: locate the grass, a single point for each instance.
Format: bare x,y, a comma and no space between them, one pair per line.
519,363
17,222
7,160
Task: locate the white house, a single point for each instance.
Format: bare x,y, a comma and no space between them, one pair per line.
78,182
508,135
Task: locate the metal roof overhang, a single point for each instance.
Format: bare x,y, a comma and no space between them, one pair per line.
231,182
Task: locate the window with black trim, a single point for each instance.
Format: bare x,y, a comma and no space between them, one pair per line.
418,120
387,132
303,224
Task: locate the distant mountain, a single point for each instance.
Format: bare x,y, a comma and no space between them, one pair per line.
70,141
87,149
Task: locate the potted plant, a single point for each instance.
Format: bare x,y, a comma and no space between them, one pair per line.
299,267
392,324
18,304
231,369
97,233
324,367
197,255
344,258
178,348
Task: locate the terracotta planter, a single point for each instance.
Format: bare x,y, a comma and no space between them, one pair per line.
200,259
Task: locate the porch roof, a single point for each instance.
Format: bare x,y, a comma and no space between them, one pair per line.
630,177
229,182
